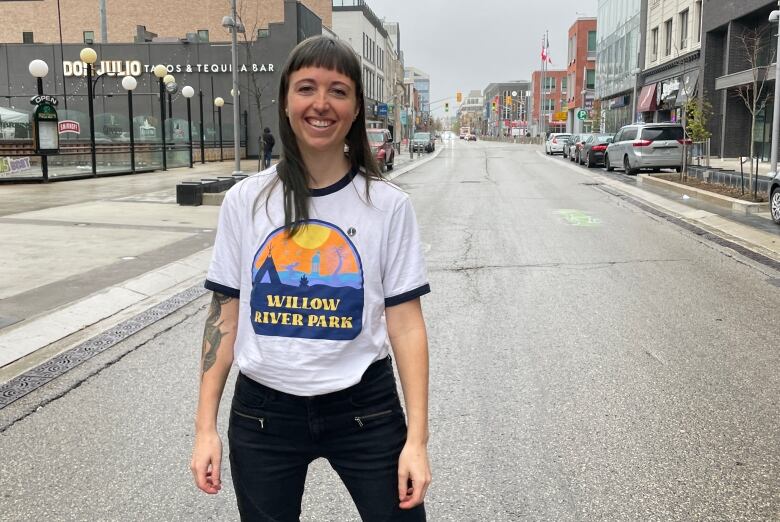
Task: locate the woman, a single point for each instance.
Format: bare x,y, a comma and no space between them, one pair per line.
317,272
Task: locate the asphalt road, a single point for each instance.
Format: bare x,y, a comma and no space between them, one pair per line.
589,361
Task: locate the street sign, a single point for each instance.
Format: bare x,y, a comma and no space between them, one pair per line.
381,109
582,114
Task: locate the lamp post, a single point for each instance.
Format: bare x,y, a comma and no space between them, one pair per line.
160,71
235,28
635,72
129,83
39,69
202,132
218,103
89,57
188,92
169,80
775,17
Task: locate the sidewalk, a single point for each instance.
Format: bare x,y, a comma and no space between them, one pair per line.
82,256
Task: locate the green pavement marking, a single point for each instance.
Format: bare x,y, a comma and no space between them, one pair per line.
578,218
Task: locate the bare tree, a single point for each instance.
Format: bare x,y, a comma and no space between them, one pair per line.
758,53
260,91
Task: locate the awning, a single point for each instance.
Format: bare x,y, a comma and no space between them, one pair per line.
688,88
647,102
11,116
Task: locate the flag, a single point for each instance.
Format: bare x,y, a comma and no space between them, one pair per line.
546,51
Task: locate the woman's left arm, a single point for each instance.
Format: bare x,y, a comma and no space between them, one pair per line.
406,329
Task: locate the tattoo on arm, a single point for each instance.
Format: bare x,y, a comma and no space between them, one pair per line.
212,335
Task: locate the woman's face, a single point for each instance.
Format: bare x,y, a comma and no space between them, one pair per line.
321,106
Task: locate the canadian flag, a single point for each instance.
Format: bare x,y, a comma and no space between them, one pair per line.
546,51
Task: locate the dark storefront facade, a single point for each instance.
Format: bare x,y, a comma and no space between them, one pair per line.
206,67
726,68
667,88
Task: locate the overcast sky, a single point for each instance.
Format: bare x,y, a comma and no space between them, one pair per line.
465,45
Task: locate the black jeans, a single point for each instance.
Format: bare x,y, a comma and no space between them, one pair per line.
273,436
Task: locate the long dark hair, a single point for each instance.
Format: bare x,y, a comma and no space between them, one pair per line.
332,54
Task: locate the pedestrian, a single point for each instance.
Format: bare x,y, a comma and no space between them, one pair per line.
268,146
317,272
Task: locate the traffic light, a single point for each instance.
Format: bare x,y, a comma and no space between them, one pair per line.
458,96
446,106
494,105
508,100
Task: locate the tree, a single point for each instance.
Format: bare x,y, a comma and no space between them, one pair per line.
258,89
757,51
595,116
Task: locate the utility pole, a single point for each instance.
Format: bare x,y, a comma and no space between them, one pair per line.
236,93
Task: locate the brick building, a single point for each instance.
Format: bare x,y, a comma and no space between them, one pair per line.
139,20
555,95
581,72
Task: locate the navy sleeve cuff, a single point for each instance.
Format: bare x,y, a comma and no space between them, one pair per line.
407,296
221,289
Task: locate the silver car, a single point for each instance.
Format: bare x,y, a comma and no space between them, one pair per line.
774,198
646,146
555,143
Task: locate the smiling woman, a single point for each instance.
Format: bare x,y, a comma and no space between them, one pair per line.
337,270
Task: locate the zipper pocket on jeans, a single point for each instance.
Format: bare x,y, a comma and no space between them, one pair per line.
360,420
261,420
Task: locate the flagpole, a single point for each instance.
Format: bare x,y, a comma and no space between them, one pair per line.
541,94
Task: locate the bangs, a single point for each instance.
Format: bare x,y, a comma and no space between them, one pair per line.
327,53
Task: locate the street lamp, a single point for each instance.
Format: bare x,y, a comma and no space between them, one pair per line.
39,69
202,131
160,71
188,92
235,27
775,17
218,103
129,83
89,57
635,72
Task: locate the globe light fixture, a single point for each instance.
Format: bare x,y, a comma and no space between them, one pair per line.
168,79
232,94
38,68
187,91
129,83
88,55
160,71
219,102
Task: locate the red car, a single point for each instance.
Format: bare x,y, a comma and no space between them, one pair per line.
381,142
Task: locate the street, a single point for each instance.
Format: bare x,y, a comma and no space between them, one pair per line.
589,361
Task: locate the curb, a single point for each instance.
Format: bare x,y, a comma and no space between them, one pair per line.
735,204
764,243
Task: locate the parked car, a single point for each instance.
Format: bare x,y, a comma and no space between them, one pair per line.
593,150
646,146
421,141
472,137
774,198
555,142
381,142
566,150
575,148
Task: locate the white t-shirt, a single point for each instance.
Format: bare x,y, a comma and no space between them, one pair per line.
311,308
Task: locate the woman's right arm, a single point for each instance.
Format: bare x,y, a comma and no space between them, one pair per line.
216,360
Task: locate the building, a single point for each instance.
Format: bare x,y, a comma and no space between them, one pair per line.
620,40
471,112
355,23
671,66
511,111
394,74
205,67
553,115
422,86
139,20
582,73
731,30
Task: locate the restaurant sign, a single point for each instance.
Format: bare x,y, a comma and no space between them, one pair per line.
136,68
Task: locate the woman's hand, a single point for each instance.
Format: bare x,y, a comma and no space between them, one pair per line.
414,475
206,461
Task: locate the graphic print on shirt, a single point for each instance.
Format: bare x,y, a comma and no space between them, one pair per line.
309,285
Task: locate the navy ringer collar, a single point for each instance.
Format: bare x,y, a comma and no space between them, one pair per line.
340,184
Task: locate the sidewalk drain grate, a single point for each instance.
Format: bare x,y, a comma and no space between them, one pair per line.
755,256
20,386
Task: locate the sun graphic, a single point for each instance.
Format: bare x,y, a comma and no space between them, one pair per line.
312,236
